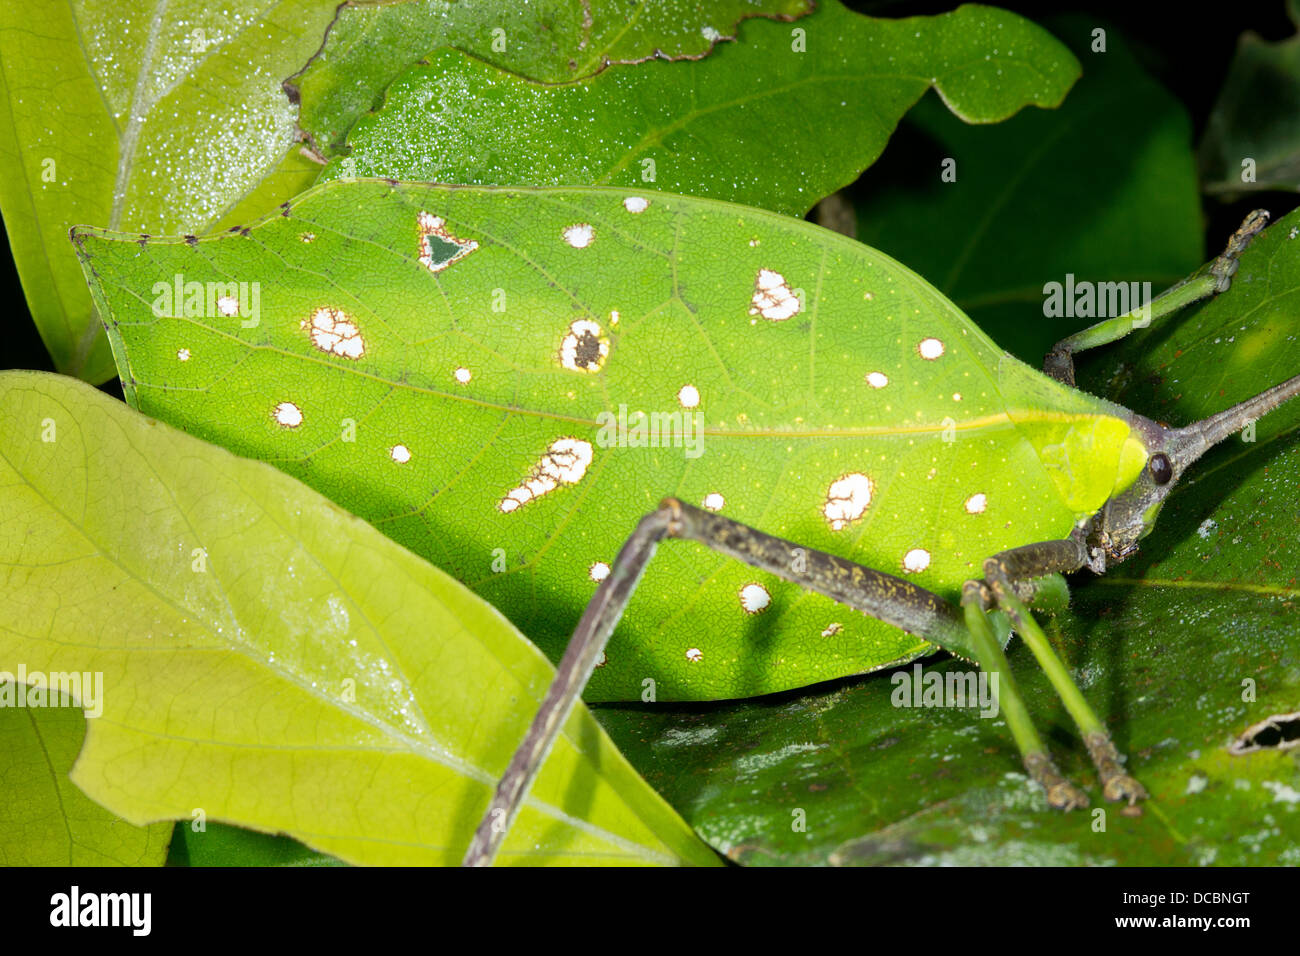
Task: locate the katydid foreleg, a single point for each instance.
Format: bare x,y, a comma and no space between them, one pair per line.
1059,363
882,596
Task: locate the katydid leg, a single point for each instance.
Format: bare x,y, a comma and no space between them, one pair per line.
1059,363
1002,572
1061,793
882,596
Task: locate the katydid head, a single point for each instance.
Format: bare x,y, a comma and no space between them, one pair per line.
1130,516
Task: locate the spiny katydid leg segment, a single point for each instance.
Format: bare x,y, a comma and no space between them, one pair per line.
1205,282
882,596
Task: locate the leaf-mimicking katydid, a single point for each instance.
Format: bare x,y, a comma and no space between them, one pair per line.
865,474
1140,464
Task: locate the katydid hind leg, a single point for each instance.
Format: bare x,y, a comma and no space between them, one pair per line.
879,595
1002,572
1205,282
584,649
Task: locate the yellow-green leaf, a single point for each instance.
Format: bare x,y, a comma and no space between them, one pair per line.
272,661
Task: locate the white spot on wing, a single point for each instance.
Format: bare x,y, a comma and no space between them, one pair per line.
773,299
580,235
930,349
754,598
918,559
287,414
564,463
435,227
584,349
847,499
333,332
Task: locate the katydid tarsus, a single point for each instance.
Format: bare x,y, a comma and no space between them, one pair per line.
1147,463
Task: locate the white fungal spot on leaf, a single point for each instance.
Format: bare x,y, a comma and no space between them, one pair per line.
287,414
773,299
847,499
228,305
688,396
580,235
598,571
308,237
930,349
832,630
564,463
332,331
877,379
976,504
695,655
714,501
636,204
462,375
613,317
183,355
400,454
918,559
584,349
438,247
754,598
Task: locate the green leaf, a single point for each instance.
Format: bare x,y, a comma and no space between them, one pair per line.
1102,188
870,783
1256,118
44,819
154,117
547,40
274,662
772,121
218,845
483,413
1161,645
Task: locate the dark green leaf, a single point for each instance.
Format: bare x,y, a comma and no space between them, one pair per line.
778,120
1104,188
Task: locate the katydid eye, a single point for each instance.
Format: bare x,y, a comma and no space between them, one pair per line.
1161,471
